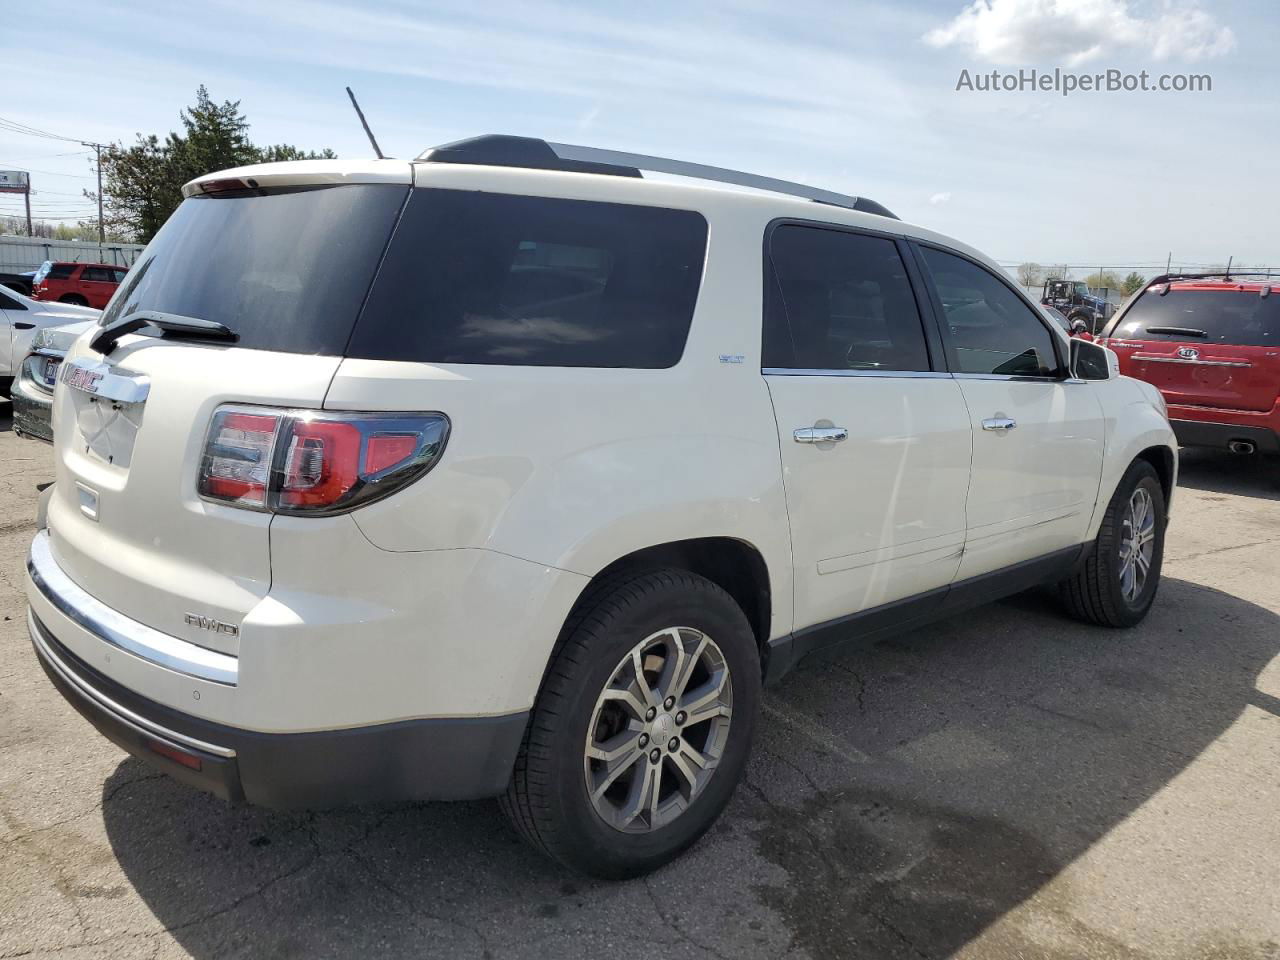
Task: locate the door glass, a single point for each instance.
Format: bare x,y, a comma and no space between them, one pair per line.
840,301
990,330
96,273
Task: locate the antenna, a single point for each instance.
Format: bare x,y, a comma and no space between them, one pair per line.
364,123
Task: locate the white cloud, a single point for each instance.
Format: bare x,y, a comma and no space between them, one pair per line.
1072,32
939,198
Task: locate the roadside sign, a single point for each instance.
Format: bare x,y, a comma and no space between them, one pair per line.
14,181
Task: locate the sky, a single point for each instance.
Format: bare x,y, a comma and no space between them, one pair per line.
855,97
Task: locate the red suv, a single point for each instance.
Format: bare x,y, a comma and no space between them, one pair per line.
1211,343
88,284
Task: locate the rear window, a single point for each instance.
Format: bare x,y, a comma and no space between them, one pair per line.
285,270
1235,317
534,281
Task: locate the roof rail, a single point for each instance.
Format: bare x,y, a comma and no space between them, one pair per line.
1212,275
507,151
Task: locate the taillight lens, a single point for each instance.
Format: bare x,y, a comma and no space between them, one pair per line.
311,462
237,457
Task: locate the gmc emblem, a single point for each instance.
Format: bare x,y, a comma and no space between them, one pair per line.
78,378
209,623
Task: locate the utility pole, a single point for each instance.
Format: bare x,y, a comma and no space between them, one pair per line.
102,233
27,197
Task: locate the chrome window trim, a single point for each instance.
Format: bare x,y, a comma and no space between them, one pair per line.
41,637
891,374
115,628
914,375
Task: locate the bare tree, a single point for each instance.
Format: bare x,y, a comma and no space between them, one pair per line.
1030,274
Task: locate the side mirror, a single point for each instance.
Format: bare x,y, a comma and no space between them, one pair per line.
1092,361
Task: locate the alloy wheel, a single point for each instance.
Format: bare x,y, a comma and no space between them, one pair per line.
1137,544
658,730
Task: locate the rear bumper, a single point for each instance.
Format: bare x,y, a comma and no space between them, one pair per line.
433,759
1220,433
32,409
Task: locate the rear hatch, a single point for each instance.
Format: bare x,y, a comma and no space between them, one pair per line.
286,269
1204,345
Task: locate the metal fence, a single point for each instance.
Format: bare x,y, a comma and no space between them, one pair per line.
20,254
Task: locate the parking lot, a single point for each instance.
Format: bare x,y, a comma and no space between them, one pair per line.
1005,784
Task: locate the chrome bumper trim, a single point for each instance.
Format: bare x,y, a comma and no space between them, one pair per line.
115,628
123,714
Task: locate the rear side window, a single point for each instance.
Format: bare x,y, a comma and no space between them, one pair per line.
101,274
285,270
534,281
61,271
1236,317
839,301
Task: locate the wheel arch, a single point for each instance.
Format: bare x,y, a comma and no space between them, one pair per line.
1164,462
735,565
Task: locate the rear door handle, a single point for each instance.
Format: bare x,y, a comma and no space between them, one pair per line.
999,424
821,434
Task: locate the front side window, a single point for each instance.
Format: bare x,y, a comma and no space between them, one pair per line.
534,281
839,301
989,329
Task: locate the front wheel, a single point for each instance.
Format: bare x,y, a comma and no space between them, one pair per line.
642,728
1117,583
74,299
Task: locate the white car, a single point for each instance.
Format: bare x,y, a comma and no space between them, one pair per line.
510,472
20,318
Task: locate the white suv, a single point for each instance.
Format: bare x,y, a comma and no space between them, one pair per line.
510,472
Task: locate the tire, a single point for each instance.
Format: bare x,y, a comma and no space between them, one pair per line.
549,801
73,298
1100,591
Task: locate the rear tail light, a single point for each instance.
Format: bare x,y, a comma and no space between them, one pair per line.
311,462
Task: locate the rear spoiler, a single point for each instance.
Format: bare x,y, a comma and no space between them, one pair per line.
300,173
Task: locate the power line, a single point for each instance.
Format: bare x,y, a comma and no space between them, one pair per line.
50,173
15,127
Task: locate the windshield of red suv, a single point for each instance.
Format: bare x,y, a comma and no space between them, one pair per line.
1241,317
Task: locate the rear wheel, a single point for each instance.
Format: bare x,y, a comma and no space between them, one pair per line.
74,298
1117,583
642,728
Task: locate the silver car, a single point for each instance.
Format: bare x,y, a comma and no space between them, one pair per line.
33,386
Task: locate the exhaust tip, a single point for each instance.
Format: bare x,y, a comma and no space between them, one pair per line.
1241,447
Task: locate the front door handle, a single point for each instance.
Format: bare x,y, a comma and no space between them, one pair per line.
999,424
821,434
